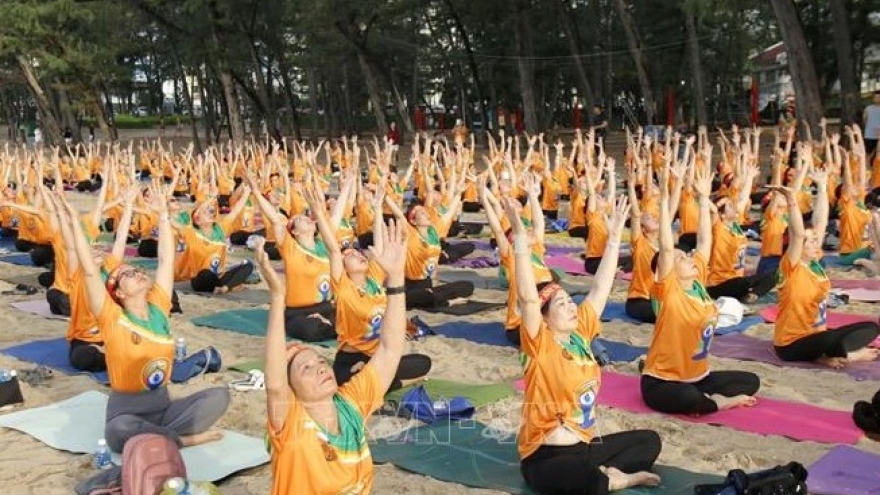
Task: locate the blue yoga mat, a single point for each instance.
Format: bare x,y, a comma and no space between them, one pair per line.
493,334
617,311
746,323
23,259
52,353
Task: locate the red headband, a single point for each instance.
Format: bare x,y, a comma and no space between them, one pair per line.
113,280
548,292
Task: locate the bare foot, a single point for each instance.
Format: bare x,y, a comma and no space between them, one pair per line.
200,438
725,403
238,288
618,480
832,362
221,290
867,265
863,354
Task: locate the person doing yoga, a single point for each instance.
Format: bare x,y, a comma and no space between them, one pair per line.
801,332
132,314
558,444
358,284
676,378
316,428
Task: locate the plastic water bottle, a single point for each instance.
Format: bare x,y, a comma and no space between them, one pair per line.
101,459
252,241
176,486
6,375
497,256
180,349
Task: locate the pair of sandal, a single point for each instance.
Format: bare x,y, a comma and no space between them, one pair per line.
37,376
256,380
22,290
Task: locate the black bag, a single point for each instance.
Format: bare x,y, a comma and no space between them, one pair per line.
781,480
10,392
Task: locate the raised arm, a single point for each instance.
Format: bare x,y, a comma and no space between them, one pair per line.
703,188
166,245
533,188
270,215
491,208
796,231
316,204
95,289
392,259
526,291
604,278
121,240
820,205
278,393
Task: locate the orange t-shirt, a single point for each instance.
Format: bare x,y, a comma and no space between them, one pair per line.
773,227
307,273
686,321
364,216
83,325
140,353
688,213
728,258
643,252
550,197
422,253
597,234
854,217
203,252
542,274
802,294
34,228
562,382
578,214
302,450
359,311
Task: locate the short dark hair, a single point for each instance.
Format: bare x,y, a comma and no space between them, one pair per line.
546,305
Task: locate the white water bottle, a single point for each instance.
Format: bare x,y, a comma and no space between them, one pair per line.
180,349
6,375
101,459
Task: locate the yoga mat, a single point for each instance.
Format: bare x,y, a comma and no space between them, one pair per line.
566,264
475,262
247,366
39,307
52,353
834,320
867,283
244,321
747,348
617,311
247,294
25,279
494,334
76,424
769,417
478,394
551,249
746,323
845,471
470,453
466,309
863,295
145,263
491,282
22,259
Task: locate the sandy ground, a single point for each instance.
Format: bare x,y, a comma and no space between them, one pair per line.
30,467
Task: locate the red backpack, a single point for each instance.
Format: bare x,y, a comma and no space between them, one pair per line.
148,460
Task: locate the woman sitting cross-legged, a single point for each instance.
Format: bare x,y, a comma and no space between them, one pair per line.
317,430
558,444
801,332
132,315
676,378
361,300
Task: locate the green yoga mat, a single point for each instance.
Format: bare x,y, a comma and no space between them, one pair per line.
468,454
246,321
479,395
247,366
145,263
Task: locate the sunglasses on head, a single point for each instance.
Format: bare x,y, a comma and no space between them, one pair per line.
130,273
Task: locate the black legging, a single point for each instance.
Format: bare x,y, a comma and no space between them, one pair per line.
739,287
271,249
640,309
454,252
578,232
551,214
471,207
22,245
836,342
148,248
299,323
422,294
591,265
411,366
42,254
691,398
85,356
240,237
207,281
574,469
687,242
47,279
512,335
59,302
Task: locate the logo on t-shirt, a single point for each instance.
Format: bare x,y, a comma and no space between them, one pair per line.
15,221
705,339
154,373
324,289
375,324
215,264
430,266
740,259
586,415
822,316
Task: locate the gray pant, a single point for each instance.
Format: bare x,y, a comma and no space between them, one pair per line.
129,415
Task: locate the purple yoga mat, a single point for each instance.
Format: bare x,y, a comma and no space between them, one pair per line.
552,250
867,283
475,262
747,348
845,471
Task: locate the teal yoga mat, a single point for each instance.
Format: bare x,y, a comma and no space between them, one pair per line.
469,453
244,321
76,425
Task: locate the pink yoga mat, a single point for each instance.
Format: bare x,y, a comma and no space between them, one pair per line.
835,320
863,295
769,417
867,283
566,264
37,307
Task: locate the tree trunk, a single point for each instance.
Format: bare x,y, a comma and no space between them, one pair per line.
634,42
576,47
472,62
181,74
291,102
800,64
525,65
48,122
693,45
67,110
101,113
849,88
373,91
233,110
